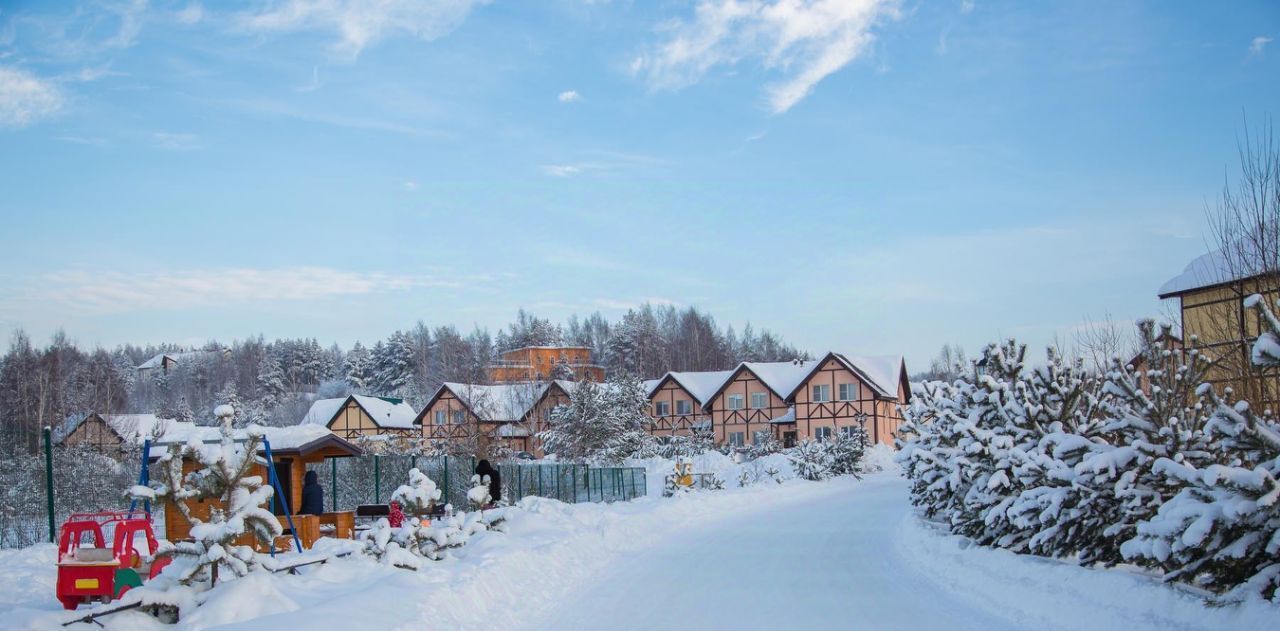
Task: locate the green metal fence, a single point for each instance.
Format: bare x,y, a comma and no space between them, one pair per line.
47,486
372,480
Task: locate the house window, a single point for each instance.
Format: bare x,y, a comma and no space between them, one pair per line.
759,400
735,402
663,408
847,432
848,392
822,433
459,417
441,417
736,439
684,407
822,393
758,437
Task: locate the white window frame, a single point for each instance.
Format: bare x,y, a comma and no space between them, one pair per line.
821,392
442,417
822,433
763,399
737,439
684,410
848,392
662,408
459,417
735,402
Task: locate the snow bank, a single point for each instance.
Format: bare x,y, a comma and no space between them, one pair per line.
1041,593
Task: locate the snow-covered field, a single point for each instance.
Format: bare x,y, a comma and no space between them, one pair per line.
838,554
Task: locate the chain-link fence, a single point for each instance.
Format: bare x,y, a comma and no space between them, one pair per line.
86,478
372,480
91,478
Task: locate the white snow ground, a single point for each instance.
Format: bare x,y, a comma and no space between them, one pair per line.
842,554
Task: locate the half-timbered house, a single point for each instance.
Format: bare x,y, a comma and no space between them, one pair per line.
357,416
114,431
678,400
483,415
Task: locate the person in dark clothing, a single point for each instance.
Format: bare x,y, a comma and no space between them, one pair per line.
312,496
483,468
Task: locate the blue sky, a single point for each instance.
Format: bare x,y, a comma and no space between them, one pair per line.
868,176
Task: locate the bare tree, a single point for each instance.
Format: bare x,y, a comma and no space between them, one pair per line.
1244,226
1099,342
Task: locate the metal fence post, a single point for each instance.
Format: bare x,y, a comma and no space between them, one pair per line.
48,480
377,480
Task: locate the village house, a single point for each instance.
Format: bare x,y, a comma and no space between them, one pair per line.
357,416
164,362
115,431
678,401
1215,321
510,414
545,363
790,401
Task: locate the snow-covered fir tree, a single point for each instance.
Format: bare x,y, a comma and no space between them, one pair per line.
601,422
357,367
271,381
419,495
235,498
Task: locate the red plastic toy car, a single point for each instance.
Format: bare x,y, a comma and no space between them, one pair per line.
88,573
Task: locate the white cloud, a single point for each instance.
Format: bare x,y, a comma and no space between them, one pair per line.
359,23
175,141
803,41
410,185
1260,42
192,14
966,6
26,98
569,96
101,292
562,170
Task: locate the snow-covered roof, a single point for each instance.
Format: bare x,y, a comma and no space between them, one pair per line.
782,377
131,428
1214,268
701,385
789,417
512,430
158,360
498,403
385,412
280,438
881,371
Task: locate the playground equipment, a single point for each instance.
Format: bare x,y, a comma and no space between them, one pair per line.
87,573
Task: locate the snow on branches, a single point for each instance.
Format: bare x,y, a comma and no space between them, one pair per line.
236,503
602,422
1143,464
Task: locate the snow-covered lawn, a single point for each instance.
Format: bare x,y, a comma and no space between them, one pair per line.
837,554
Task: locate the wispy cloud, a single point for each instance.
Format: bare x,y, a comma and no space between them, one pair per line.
410,185
170,141
26,98
359,23
190,14
569,96
102,292
803,41
564,170
1258,44
315,82
966,6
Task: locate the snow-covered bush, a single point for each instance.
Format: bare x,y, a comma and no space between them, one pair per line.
812,460
1143,464
236,504
406,545
419,495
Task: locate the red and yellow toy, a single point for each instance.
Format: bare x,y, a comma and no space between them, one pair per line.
88,573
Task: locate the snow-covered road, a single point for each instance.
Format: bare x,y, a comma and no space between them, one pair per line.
841,554
825,560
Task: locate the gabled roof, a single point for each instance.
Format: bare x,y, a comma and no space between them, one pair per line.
158,360
385,412
131,428
781,378
494,403
883,373
700,385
